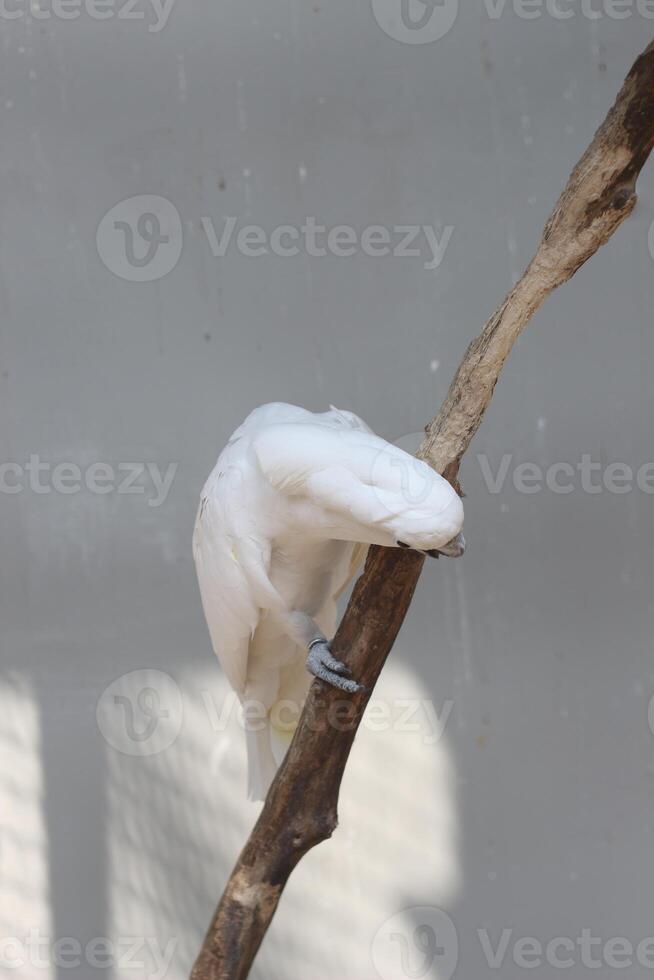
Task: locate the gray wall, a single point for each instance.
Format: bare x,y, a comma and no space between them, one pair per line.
532,812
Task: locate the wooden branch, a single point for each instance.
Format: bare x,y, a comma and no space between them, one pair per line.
599,195
301,807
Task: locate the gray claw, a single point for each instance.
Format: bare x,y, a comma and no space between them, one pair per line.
322,664
331,663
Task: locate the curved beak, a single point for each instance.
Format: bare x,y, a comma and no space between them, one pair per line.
453,548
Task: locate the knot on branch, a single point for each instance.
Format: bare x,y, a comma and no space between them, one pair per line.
621,199
312,829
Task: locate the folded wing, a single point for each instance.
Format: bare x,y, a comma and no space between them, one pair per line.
229,607
350,470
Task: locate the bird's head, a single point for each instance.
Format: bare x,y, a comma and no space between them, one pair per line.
414,506
430,531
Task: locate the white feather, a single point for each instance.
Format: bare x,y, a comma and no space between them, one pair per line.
282,525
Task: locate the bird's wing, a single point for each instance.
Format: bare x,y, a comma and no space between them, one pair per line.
230,609
349,470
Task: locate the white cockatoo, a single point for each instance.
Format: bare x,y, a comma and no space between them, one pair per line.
283,523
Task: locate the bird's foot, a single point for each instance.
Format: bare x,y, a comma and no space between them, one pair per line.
322,664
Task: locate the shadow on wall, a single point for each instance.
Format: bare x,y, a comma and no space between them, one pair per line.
52,847
178,819
23,845
172,773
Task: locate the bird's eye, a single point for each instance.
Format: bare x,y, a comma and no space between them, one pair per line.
402,544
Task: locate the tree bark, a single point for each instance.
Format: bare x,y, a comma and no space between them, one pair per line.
301,808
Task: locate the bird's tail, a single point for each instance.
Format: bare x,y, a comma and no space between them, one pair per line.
261,762
266,750
267,746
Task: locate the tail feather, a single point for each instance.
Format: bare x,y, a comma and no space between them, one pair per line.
283,691
261,763
280,739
